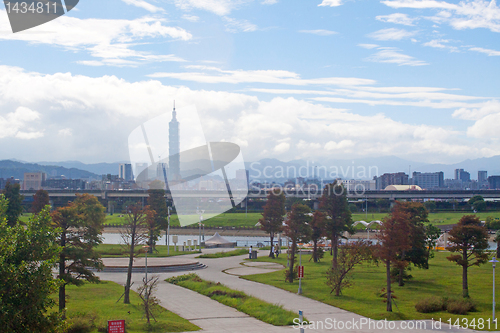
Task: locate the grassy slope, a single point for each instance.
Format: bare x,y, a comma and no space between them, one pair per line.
99,301
243,220
441,279
233,253
115,251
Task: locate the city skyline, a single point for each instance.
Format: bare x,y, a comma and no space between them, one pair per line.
347,79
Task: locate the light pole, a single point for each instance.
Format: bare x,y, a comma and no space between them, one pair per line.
200,212
146,265
494,261
168,230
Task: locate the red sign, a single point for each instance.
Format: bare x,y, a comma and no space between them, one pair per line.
116,326
301,271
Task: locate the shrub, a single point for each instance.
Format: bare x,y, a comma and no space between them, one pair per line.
431,304
80,324
452,305
180,278
460,306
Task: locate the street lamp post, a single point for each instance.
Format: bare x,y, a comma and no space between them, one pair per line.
168,230
200,212
146,265
494,261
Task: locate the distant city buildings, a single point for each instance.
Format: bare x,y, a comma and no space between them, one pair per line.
399,178
494,182
125,172
174,147
33,180
428,180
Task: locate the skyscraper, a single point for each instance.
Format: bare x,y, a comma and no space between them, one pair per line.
174,169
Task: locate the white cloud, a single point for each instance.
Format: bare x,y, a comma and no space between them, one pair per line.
319,32
17,124
144,5
234,25
269,2
218,7
470,14
107,108
368,46
490,107
331,3
332,145
111,41
392,55
282,147
190,18
441,44
391,34
65,132
257,76
397,18
489,52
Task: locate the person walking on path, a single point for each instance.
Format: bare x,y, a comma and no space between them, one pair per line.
250,252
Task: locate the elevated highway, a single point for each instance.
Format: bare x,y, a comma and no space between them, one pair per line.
304,194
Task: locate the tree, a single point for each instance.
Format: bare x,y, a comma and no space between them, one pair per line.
15,202
272,217
477,203
40,200
470,240
81,224
297,230
317,232
418,252
135,233
157,203
394,238
27,257
430,206
149,301
350,255
432,233
338,216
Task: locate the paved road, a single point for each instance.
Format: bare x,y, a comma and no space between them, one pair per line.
213,317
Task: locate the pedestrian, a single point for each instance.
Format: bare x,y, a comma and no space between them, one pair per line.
272,251
250,252
276,251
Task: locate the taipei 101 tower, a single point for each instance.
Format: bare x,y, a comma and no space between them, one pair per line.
174,171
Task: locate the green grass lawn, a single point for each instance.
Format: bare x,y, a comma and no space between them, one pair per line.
226,220
254,307
442,279
439,218
92,305
115,251
233,253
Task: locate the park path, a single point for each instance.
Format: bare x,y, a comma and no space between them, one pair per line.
212,316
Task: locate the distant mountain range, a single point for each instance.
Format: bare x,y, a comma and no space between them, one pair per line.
363,168
9,168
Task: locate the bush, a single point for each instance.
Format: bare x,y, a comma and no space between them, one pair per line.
180,278
81,323
452,305
460,306
431,304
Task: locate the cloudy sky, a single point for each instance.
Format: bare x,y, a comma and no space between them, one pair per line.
418,79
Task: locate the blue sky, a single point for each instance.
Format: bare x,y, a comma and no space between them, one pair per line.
309,79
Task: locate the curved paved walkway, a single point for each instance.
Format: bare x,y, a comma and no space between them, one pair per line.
213,317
